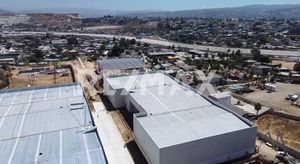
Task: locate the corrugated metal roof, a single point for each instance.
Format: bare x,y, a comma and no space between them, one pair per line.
120,64
175,113
46,125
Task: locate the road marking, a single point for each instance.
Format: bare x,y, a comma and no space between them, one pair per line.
87,149
8,110
38,149
60,147
20,129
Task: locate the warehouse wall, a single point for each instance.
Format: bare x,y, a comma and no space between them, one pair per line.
149,149
215,149
132,106
116,97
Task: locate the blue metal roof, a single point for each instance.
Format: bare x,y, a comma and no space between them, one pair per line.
48,125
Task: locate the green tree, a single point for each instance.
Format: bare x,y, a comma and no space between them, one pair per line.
265,59
116,51
37,56
124,43
206,55
72,41
257,107
58,49
132,42
256,54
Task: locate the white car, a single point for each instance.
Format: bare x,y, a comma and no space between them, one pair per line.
294,97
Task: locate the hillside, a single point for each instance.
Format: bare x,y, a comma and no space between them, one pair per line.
3,11
253,11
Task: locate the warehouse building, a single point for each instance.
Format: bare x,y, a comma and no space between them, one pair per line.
48,125
174,124
221,97
111,67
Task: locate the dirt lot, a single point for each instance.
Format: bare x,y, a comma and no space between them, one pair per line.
289,128
122,126
19,81
276,100
289,65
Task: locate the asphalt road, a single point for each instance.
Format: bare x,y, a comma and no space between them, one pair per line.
281,53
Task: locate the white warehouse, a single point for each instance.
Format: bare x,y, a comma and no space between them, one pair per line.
174,124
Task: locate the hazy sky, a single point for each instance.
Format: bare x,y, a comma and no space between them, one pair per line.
134,4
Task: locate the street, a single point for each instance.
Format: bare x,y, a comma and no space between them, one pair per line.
282,53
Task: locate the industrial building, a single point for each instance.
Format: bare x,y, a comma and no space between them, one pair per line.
221,97
48,125
159,55
8,56
108,67
174,124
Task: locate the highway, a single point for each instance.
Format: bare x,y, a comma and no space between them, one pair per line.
281,53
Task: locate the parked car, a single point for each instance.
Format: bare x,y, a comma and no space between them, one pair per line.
288,97
294,97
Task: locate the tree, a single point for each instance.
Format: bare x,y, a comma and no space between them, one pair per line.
72,41
256,54
206,55
4,81
37,56
258,57
237,43
257,107
132,42
58,49
116,51
124,43
265,59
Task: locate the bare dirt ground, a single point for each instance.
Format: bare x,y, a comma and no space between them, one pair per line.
20,81
83,68
286,64
276,100
289,128
122,126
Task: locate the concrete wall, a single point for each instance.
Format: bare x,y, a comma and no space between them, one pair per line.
116,97
223,100
149,149
215,149
130,102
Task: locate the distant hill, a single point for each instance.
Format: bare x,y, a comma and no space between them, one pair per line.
248,12
81,11
87,12
4,11
252,11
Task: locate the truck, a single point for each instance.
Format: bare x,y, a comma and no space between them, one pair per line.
270,87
